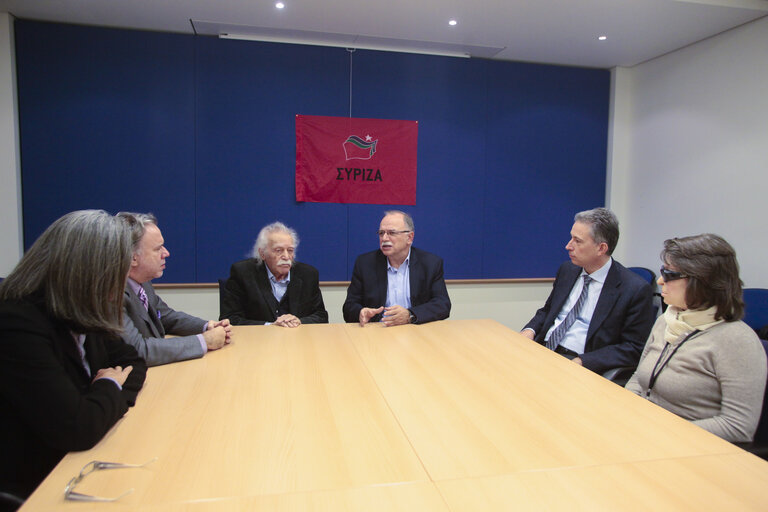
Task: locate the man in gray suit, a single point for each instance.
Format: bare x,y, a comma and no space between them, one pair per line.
146,318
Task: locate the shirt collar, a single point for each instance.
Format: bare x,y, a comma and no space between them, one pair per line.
134,285
272,277
600,274
406,262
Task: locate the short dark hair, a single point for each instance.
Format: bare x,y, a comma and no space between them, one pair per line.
710,264
604,226
78,266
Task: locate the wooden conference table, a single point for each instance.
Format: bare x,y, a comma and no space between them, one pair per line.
458,415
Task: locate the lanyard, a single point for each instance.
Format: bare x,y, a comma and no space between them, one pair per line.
655,373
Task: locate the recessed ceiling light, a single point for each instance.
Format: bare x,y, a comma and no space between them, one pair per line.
602,38
279,5
452,22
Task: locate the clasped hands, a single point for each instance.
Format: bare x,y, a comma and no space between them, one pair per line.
218,334
393,315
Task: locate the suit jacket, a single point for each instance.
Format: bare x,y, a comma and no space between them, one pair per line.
620,324
145,329
49,404
368,287
247,298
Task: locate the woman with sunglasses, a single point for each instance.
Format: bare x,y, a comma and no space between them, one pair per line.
66,376
701,361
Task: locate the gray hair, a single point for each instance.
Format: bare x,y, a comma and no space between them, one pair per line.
263,239
137,222
604,226
78,268
407,218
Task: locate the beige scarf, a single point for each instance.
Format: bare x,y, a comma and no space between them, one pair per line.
682,321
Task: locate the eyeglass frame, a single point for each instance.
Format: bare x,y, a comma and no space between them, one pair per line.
392,232
671,275
91,467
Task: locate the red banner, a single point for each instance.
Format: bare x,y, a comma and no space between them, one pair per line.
351,160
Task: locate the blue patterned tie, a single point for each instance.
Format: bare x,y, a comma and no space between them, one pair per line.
557,335
143,298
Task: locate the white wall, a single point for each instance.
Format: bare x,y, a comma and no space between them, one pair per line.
10,181
512,304
690,153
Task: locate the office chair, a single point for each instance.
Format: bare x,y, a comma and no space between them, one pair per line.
759,445
756,307
622,374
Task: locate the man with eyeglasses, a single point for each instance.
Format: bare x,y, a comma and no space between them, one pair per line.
398,283
272,288
599,314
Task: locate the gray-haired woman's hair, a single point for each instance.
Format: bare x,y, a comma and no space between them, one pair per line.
137,222
78,268
604,226
263,239
406,218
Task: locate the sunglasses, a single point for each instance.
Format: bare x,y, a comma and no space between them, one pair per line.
671,275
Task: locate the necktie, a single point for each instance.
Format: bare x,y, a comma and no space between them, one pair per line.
143,298
557,335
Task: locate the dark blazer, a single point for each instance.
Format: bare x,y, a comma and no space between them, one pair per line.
620,325
368,287
247,299
145,330
49,404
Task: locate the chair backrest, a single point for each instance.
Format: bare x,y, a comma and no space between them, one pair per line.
761,434
646,273
756,307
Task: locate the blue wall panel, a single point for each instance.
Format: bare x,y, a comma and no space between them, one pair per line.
201,131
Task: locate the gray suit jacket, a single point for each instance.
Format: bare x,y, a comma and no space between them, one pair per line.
145,330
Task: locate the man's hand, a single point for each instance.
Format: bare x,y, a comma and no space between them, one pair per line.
528,333
215,338
287,321
396,315
222,323
118,374
367,313
577,360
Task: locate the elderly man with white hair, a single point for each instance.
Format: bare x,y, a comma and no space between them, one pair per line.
271,287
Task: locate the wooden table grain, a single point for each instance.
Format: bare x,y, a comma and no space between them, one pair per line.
452,415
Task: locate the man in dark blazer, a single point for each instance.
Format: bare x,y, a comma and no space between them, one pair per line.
397,284
611,325
272,288
147,318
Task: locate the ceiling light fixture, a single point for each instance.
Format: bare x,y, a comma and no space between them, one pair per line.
279,5
602,38
452,23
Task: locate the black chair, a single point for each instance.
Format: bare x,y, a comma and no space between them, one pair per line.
759,445
650,276
9,502
222,291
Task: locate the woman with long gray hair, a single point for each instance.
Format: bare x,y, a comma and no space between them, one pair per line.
66,376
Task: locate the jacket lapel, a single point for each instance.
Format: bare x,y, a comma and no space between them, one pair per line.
607,300
293,293
381,277
144,314
265,289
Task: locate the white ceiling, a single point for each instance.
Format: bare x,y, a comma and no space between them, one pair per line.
548,31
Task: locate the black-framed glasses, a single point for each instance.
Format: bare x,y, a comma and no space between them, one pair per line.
391,232
96,465
671,275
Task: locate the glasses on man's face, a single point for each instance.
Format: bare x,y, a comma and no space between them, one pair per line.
391,232
95,465
671,275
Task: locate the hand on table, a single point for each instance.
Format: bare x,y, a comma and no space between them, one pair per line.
287,321
396,315
117,374
367,313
